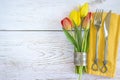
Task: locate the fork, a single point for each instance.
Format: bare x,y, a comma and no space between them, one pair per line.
97,23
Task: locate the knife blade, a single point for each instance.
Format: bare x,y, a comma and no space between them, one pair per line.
107,23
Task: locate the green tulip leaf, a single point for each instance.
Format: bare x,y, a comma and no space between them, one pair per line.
70,38
78,36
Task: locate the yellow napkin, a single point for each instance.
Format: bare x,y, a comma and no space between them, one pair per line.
113,39
119,27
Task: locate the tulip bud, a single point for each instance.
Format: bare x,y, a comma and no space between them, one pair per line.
84,10
66,23
75,17
86,22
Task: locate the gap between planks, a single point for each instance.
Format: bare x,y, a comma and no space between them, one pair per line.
31,30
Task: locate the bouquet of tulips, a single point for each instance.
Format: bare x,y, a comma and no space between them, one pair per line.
77,29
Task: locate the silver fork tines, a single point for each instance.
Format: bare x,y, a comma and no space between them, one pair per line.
98,18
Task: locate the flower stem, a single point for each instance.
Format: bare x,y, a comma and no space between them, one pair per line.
79,70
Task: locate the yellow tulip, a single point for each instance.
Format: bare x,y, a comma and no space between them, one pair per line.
84,10
75,16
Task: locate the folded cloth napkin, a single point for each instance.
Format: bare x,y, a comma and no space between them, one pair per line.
119,27
113,39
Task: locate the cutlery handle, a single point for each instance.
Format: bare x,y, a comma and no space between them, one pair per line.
97,38
106,50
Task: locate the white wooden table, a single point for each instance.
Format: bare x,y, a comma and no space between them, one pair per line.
32,48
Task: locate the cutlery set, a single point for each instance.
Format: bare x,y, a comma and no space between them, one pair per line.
98,23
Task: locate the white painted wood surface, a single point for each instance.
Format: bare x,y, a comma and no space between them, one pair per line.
43,14
40,55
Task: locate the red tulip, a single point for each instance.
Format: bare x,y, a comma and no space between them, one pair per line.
66,23
86,22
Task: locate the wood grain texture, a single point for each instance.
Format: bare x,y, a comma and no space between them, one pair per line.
39,56
30,49
43,14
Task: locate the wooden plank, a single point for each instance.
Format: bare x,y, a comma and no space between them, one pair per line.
39,56
43,14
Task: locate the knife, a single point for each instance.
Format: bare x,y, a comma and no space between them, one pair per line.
106,33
